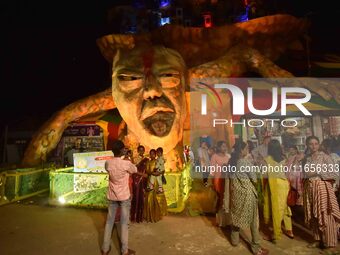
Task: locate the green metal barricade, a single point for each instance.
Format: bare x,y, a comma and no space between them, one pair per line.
22,183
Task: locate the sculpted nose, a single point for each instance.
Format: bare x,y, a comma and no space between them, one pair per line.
152,88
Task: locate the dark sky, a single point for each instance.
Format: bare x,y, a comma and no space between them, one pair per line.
49,56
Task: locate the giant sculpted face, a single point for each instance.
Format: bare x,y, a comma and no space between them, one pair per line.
148,89
148,81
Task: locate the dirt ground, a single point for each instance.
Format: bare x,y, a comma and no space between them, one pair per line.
32,227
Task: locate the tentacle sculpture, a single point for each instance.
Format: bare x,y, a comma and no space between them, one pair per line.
48,136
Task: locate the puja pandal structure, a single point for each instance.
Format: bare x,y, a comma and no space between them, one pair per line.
152,85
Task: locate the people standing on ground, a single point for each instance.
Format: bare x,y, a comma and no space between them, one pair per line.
220,158
118,195
261,151
329,146
160,170
139,181
204,161
276,189
295,175
244,204
154,208
322,212
160,167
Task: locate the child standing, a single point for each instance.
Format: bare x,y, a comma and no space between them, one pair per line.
160,169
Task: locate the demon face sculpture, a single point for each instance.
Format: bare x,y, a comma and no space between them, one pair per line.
148,81
148,89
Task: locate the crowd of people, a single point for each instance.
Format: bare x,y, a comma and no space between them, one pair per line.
280,178
246,198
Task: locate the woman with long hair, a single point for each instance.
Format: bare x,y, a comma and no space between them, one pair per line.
138,186
321,207
244,203
276,188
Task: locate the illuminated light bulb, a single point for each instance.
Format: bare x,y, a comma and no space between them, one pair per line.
61,200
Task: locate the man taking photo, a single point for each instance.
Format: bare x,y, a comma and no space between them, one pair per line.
118,195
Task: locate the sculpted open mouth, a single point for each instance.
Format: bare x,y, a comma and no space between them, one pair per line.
159,123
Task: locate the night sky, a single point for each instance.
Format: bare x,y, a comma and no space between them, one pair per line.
49,56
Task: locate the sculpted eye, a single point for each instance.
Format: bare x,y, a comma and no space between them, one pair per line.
129,81
170,74
128,77
170,79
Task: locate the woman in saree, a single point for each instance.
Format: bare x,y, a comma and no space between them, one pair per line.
295,175
322,213
155,205
218,159
138,186
275,194
244,203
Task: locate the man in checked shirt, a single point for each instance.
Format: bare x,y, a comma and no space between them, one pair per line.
118,195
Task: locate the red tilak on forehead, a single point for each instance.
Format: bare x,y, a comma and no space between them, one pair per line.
148,58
